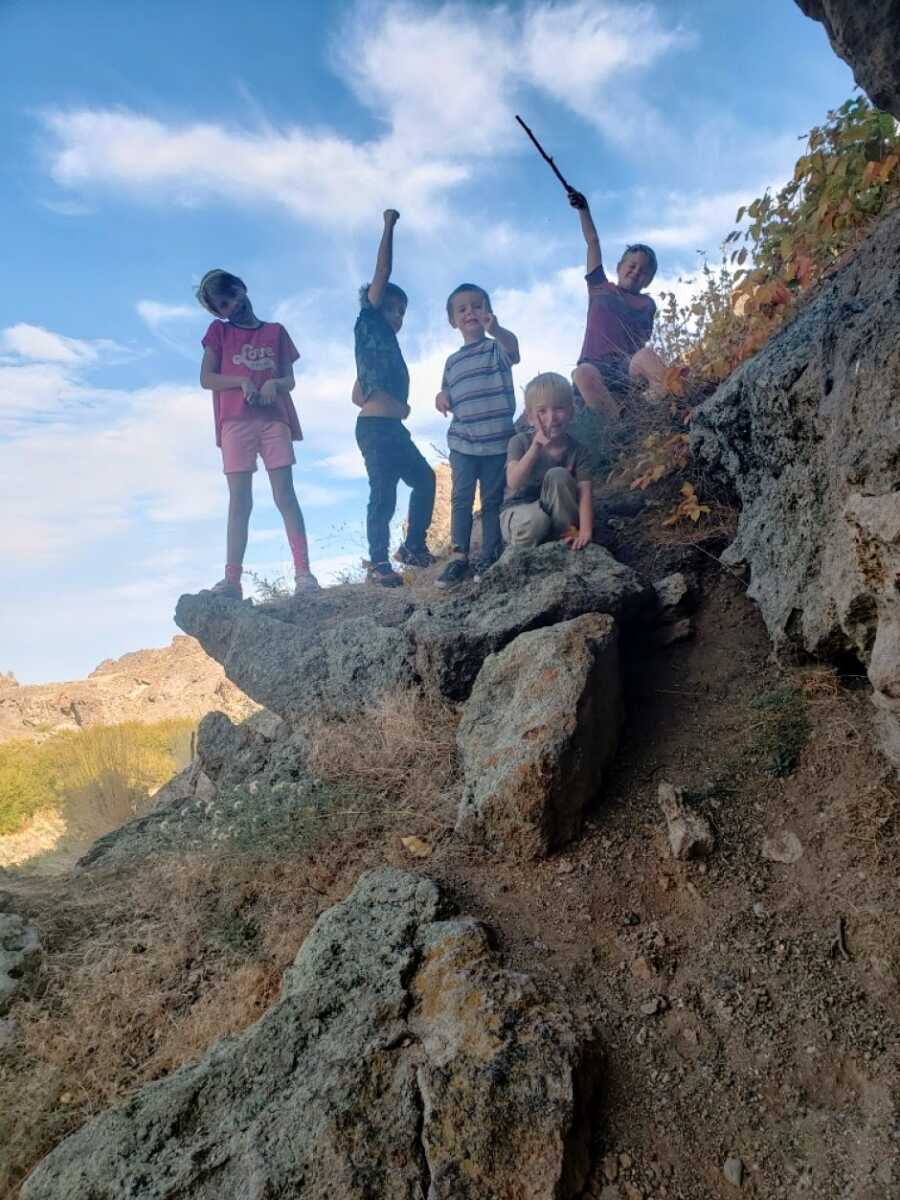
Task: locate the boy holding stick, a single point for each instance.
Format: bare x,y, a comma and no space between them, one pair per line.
620,318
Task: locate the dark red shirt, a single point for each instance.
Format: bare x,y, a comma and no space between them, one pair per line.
618,322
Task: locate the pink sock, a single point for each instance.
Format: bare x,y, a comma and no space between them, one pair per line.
233,573
300,551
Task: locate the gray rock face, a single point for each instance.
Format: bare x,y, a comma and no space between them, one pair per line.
334,655
864,34
402,1062
304,656
218,795
537,732
529,588
20,955
875,524
808,432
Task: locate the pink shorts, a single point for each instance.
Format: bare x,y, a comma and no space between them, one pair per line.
245,437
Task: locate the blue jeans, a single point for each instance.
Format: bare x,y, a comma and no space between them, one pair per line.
390,455
467,470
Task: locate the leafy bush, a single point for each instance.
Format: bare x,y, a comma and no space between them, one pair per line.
98,777
848,177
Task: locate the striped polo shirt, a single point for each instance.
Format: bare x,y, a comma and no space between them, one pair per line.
479,379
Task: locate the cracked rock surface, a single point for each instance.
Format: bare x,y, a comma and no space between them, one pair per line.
402,1062
807,432
337,654
540,728
864,33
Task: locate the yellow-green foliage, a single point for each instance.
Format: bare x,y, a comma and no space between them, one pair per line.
94,776
848,177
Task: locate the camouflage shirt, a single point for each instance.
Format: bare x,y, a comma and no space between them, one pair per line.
379,359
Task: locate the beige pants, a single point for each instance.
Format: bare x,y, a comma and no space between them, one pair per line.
544,519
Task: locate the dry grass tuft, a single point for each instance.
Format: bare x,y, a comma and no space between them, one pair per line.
402,749
146,966
144,969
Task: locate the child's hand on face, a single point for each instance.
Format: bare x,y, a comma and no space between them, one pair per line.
268,393
442,403
489,322
541,437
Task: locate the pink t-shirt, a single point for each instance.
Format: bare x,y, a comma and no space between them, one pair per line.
257,354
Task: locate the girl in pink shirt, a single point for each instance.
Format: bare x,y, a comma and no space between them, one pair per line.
248,366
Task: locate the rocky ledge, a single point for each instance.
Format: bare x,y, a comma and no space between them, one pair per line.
403,1061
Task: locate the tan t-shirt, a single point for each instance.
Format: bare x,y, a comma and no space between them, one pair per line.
575,459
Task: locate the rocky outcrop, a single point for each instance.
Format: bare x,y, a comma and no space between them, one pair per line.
537,733
402,1061
875,522
807,432
308,655
145,685
527,589
217,797
864,33
20,954
320,653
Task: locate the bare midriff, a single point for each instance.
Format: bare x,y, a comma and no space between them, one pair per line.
382,404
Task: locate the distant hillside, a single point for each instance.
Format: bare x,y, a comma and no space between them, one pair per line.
179,680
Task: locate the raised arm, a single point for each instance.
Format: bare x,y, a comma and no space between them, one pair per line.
385,260
507,340
589,229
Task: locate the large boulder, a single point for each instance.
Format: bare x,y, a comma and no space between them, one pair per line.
864,33
314,654
805,431
402,1062
529,588
536,735
335,652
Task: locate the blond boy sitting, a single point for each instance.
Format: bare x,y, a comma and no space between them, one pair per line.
548,474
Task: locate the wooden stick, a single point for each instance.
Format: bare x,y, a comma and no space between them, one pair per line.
546,157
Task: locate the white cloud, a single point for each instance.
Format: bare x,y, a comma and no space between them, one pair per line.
456,101
440,111
80,477
318,177
576,51
155,315
41,345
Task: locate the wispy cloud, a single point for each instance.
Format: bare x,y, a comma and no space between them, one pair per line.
156,315
441,113
36,344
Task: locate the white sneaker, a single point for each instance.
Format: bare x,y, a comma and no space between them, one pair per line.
305,583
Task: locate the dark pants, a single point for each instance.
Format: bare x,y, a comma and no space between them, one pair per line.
389,455
488,470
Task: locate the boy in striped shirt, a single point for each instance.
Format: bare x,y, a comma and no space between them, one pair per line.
477,389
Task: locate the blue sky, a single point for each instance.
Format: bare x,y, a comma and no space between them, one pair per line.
144,144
